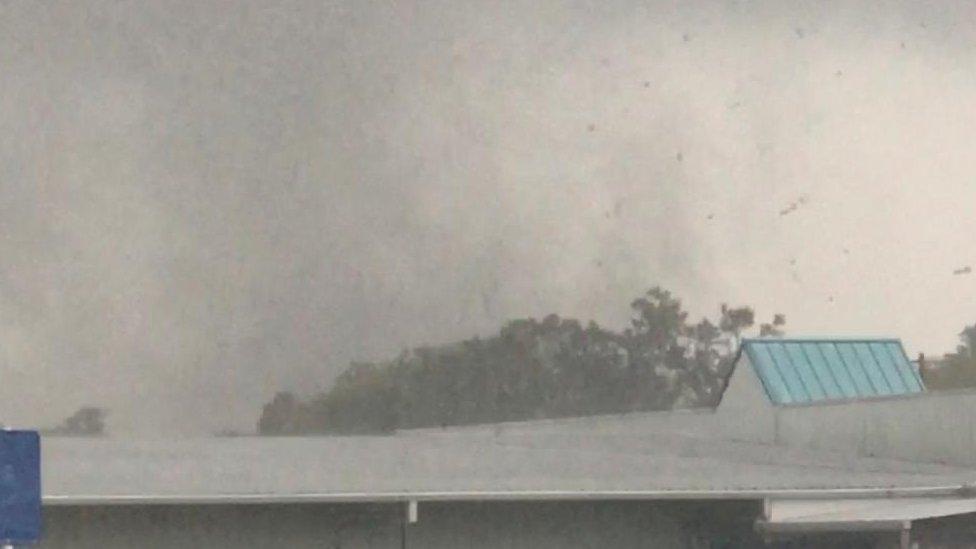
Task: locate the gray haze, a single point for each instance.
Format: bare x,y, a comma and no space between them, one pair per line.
204,202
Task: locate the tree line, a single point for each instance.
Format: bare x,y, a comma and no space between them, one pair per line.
957,370
553,367
87,421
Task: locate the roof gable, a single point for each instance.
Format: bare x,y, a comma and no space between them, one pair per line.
801,371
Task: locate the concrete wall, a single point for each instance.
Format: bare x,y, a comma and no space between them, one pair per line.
937,427
934,427
745,411
535,525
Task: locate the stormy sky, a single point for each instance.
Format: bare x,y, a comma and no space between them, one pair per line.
204,202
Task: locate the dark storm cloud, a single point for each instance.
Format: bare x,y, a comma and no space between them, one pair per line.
205,202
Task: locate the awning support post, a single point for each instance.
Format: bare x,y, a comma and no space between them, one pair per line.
906,535
412,511
410,517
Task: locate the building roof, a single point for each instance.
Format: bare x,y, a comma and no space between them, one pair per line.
473,465
799,371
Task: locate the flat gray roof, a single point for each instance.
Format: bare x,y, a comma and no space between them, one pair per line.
465,465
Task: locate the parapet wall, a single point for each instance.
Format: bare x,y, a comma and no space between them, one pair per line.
937,427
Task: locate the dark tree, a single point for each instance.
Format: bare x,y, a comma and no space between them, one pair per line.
958,369
552,367
280,416
735,320
774,328
87,421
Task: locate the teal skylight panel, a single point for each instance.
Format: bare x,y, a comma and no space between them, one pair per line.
798,371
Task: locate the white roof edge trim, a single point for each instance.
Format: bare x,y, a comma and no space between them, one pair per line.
392,497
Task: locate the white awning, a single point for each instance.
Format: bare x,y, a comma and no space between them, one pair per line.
823,515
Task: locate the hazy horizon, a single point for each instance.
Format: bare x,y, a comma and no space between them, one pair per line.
203,203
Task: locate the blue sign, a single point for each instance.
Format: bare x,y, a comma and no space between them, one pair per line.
20,487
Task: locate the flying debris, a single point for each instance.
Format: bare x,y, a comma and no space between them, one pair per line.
799,32
794,206
963,271
711,216
686,37
830,299
591,127
679,157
